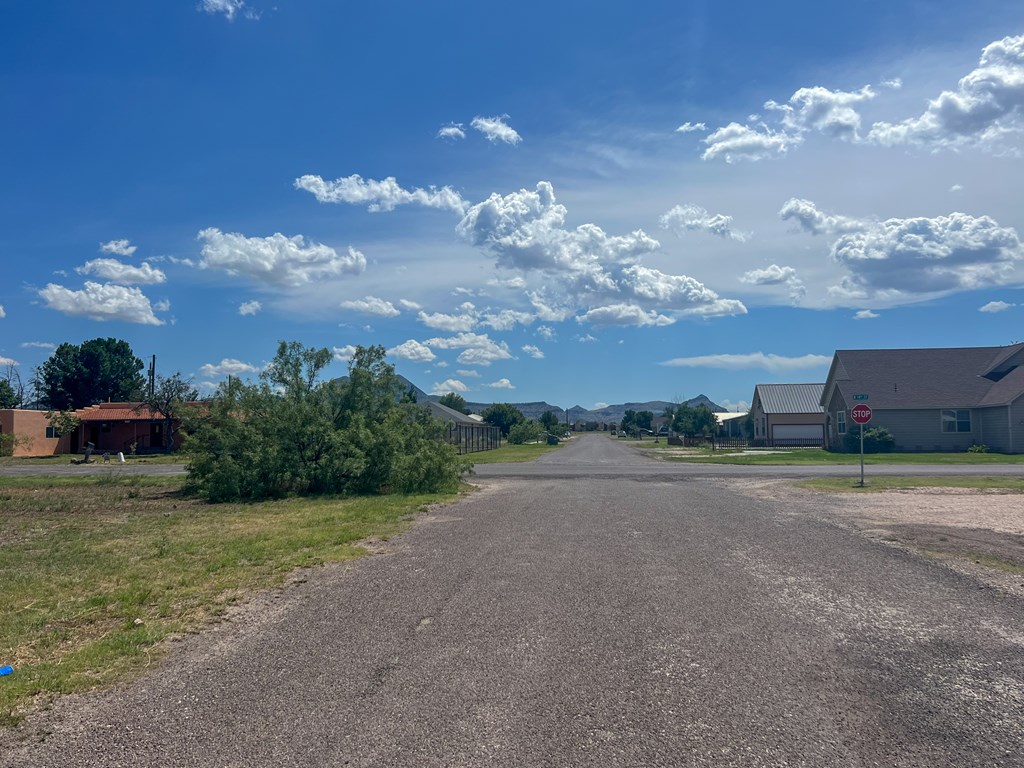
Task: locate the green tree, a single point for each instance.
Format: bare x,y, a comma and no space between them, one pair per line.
12,391
96,371
549,421
525,432
504,416
291,433
8,397
170,396
455,401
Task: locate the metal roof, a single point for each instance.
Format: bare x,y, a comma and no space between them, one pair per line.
790,398
931,378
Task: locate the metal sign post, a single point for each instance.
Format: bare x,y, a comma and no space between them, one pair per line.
861,414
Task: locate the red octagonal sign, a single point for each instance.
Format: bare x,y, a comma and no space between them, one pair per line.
861,414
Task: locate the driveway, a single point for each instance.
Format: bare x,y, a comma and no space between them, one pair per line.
634,616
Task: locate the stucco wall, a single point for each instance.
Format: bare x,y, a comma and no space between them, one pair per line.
30,426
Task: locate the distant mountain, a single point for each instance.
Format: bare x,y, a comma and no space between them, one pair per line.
614,413
610,413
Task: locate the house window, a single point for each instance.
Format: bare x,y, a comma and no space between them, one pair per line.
51,433
956,421
841,422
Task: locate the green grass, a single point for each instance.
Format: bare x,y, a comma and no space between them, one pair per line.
96,573
512,453
65,458
812,456
878,484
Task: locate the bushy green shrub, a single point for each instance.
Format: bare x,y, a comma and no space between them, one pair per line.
876,440
525,432
292,434
977,448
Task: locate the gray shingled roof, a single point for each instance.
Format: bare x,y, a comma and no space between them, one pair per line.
446,414
929,378
790,398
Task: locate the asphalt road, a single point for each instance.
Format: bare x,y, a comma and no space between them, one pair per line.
584,621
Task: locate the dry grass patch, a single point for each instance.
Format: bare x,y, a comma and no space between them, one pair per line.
96,571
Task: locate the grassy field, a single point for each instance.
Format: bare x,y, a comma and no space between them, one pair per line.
811,456
45,461
878,484
97,571
512,453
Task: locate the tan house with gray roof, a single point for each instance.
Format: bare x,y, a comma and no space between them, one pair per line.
931,399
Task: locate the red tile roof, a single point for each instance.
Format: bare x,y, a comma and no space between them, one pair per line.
118,412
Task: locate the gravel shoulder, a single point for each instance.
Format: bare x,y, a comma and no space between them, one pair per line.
974,531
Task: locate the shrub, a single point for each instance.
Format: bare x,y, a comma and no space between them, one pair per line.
291,434
977,448
525,432
876,440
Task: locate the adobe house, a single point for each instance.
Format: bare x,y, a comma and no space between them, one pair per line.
110,427
788,414
931,399
35,435
120,427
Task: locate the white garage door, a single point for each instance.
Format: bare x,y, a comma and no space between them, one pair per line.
797,432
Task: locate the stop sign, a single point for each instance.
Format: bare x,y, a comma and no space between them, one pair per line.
861,414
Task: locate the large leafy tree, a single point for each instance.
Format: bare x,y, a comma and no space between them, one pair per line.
454,401
504,416
292,433
549,421
75,376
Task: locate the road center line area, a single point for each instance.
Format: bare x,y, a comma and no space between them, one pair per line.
583,621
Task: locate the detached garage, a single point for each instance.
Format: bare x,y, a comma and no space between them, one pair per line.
788,415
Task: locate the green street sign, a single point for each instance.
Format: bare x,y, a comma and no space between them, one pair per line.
860,397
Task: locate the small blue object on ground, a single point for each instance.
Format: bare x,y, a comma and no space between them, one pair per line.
6,670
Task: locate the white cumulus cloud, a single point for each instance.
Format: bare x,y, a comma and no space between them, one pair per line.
996,306
276,260
451,131
449,385
118,247
228,8
984,110
691,127
123,274
229,366
249,308
693,218
496,129
623,314
734,142
865,314
533,351
101,302
371,305
412,351
501,384
806,214
446,322
776,275
384,195
344,354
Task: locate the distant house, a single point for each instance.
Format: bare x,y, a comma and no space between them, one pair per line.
788,414
466,432
110,427
931,399
730,424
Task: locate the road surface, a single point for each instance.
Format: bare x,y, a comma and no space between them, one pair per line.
584,619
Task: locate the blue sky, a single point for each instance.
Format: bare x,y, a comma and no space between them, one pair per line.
580,202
